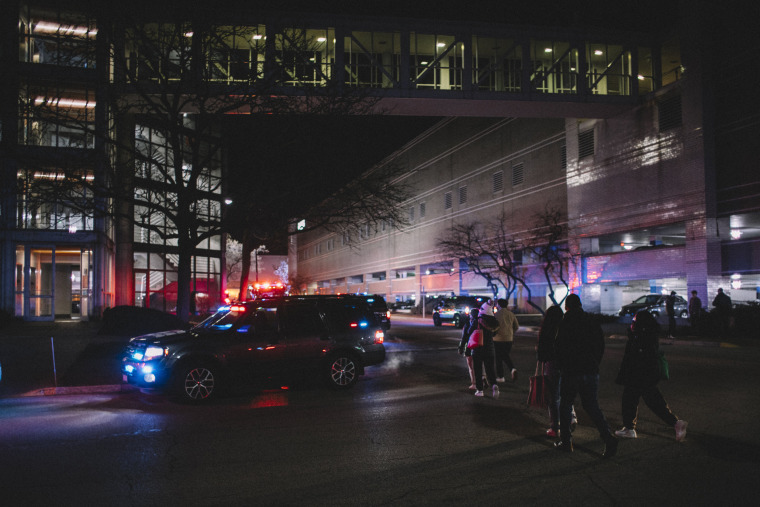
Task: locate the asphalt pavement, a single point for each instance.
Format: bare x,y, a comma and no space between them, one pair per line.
69,357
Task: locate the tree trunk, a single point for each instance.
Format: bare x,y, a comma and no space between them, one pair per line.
248,242
184,278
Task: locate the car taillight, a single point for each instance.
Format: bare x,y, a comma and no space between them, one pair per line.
388,314
379,336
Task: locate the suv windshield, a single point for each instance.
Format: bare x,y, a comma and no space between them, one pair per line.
222,320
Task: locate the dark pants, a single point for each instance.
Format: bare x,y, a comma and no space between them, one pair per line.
653,399
483,356
502,350
587,386
671,325
552,374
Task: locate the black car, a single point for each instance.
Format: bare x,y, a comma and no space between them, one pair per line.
456,309
380,308
334,337
655,304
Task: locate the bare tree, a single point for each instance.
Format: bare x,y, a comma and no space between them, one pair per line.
549,247
493,252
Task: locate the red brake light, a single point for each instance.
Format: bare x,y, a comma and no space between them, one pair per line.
354,324
379,336
237,308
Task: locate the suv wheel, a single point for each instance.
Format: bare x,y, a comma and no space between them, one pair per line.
436,320
458,321
196,383
684,314
342,371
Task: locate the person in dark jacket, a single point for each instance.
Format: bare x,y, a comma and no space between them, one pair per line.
723,305
545,355
639,374
670,309
579,347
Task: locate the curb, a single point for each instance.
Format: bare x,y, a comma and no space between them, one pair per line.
70,390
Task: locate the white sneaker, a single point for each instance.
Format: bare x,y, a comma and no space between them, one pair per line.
478,393
499,379
626,433
495,391
681,430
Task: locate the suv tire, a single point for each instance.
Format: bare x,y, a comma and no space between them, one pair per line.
342,371
436,320
196,383
458,321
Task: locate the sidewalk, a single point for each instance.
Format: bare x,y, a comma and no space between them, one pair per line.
62,357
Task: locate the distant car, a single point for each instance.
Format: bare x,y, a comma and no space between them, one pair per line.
456,309
655,304
403,305
334,337
380,308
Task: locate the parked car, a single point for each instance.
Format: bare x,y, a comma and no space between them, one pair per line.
380,308
456,309
655,304
334,337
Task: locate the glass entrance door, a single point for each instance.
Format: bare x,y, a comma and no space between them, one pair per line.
39,283
53,282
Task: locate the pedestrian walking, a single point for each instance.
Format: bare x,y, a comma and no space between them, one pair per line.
483,356
545,354
722,304
487,308
695,310
503,340
639,375
579,347
467,352
670,309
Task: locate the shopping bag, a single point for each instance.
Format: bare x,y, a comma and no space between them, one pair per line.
476,339
538,394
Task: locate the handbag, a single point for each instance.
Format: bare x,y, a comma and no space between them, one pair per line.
662,363
476,339
538,394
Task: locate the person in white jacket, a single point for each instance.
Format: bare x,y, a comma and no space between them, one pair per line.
503,340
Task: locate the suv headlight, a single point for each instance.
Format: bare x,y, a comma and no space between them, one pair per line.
154,352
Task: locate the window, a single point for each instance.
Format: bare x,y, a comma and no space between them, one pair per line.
586,143
447,200
462,194
563,157
422,210
411,214
669,113
517,174
498,181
